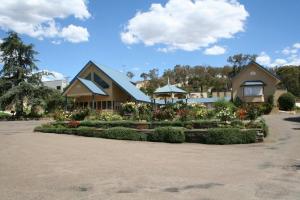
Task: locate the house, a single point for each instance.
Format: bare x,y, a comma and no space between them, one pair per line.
140,84
102,88
254,83
56,84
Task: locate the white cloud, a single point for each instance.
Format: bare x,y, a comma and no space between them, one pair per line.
56,76
279,62
263,59
215,50
290,56
75,34
38,18
291,50
186,24
296,45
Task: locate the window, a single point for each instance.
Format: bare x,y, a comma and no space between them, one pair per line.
103,105
58,87
100,82
253,91
99,105
89,76
108,104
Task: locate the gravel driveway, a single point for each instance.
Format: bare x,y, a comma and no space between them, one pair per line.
48,166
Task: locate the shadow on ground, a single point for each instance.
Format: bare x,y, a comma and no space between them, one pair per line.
293,119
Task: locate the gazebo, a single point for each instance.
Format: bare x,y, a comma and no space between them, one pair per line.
170,92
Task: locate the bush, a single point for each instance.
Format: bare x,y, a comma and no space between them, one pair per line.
167,134
108,116
164,114
61,115
229,136
144,111
201,124
108,124
221,136
223,104
260,124
226,114
287,101
238,102
73,124
253,111
79,115
4,116
122,133
129,108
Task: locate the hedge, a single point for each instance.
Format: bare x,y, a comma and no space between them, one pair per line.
221,136
162,134
197,124
167,134
121,133
229,136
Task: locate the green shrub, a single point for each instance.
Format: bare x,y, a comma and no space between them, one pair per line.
253,111
167,134
238,102
248,136
287,101
229,136
155,124
226,114
223,104
60,115
4,116
108,116
259,124
237,124
122,133
108,124
200,124
79,115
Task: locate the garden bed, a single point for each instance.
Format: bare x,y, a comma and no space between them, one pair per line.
206,132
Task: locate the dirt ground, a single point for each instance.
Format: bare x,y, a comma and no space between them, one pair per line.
43,166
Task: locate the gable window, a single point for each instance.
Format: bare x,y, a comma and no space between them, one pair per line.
253,91
89,77
100,82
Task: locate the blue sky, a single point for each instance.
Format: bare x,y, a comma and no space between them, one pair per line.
268,28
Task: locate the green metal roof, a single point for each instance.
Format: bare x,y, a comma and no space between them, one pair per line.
91,86
169,89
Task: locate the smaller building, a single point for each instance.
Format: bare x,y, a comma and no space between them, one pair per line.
56,84
169,92
140,84
255,84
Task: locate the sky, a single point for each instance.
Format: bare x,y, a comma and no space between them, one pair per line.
138,35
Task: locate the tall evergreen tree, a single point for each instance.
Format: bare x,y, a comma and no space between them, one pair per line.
20,80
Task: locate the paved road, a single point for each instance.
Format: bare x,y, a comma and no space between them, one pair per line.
39,166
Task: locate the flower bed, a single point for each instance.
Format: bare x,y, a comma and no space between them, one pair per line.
160,134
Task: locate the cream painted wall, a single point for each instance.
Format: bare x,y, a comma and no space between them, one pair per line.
254,73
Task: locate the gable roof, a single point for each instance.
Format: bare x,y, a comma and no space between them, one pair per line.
120,79
169,89
261,67
91,86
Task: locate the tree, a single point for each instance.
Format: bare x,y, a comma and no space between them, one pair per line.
290,77
20,82
130,75
239,61
144,75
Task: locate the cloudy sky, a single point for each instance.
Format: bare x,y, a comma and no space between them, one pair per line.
135,35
